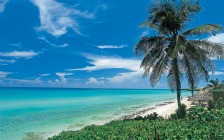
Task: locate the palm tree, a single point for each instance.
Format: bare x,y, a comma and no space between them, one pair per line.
173,51
214,84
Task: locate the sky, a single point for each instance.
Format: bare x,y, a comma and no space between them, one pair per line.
83,43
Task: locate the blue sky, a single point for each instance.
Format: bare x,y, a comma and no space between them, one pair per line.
82,43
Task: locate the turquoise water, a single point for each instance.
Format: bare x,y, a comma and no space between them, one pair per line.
36,113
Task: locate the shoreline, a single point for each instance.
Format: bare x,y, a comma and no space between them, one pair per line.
164,109
167,108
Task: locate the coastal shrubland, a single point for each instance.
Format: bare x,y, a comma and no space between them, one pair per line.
199,123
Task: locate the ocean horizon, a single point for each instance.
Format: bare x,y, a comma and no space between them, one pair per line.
37,113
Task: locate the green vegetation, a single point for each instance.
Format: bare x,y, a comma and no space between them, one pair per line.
216,90
199,123
180,112
215,85
172,50
217,97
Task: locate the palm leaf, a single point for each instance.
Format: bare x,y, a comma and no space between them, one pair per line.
146,44
213,49
150,25
191,71
160,68
152,57
199,56
174,76
204,29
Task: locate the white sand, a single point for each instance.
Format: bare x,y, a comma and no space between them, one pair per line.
167,110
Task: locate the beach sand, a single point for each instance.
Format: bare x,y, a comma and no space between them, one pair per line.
165,109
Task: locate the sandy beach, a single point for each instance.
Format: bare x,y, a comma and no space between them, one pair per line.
163,109
166,109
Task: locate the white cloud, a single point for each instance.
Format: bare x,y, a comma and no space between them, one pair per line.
218,38
19,44
2,4
19,54
216,73
111,46
54,45
131,77
103,62
56,18
93,80
4,74
3,61
42,75
54,82
64,45
24,81
61,75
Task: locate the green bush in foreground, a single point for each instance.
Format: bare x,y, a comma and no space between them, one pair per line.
180,112
199,123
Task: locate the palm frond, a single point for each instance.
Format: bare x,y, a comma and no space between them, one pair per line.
150,25
159,69
214,82
209,85
200,59
204,29
146,44
213,49
191,71
152,57
171,79
187,8
164,15
174,76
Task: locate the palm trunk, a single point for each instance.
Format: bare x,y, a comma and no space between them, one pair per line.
178,84
192,88
192,92
178,93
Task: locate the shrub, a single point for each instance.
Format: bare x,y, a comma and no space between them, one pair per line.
199,123
216,94
218,100
179,113
152,116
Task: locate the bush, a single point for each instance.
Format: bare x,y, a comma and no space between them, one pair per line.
152,116
180,112
216,94
218,100
199,123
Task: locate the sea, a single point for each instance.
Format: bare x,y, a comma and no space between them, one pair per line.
39,113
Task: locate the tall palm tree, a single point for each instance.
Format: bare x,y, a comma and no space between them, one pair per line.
173,51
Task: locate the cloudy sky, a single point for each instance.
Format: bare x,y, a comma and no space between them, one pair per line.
82,43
